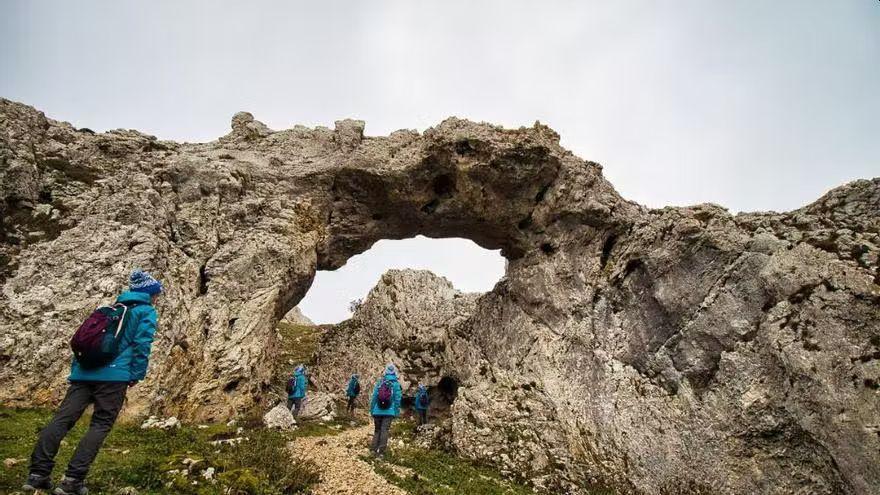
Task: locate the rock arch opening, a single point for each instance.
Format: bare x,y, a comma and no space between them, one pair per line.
335,294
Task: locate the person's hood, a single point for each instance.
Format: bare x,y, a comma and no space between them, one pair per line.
390,377
134,297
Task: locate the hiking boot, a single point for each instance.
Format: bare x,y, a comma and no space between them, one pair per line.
70,486
36,482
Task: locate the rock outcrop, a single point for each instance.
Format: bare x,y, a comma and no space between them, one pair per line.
406,319
296,317
679,350
319,406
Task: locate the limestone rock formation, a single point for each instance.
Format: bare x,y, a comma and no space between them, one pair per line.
406,319
654,351
318,406
296,317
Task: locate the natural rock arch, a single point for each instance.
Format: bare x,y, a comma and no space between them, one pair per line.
652,349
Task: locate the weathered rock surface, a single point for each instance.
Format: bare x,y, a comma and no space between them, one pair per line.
279,417
406,319
296,317
655,351
318,406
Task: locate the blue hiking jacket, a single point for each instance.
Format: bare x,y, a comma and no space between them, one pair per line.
394,410
350,390
422,400
137,341
299,386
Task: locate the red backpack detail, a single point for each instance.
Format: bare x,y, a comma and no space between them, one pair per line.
383,398
96,342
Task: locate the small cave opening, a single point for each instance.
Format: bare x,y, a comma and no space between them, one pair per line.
448,389
443,395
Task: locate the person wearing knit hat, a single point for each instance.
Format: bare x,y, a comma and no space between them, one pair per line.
141,281
384,407
104,386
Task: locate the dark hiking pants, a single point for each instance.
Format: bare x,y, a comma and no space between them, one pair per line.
380,435
350,407
295,406
107,398
423,416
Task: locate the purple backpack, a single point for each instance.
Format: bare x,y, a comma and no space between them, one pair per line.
96,341
383,398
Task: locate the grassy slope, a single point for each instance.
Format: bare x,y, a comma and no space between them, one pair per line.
143,458
433,472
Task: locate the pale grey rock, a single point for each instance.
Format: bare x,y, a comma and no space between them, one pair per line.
161,424
650,350
317,406
279,417
296,317
406,319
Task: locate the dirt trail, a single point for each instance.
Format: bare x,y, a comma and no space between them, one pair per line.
339,459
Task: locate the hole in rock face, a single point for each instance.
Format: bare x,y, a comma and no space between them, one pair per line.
444,185
448,389
462,262
203,280
443,395
231,386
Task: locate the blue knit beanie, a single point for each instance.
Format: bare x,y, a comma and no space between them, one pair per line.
391,370
141,281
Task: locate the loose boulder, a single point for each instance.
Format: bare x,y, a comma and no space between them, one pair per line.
319,406
279,417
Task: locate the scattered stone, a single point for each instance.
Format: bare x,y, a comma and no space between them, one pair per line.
208,474
162,424
279,417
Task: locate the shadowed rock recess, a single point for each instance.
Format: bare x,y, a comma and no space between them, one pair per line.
674,350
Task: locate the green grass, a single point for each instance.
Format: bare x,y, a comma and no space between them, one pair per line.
433,472
143,458
298,343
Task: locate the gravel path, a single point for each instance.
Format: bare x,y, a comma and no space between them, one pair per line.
342,470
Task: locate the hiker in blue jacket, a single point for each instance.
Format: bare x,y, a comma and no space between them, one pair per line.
384,407
352,392
297,393
421,405
103,386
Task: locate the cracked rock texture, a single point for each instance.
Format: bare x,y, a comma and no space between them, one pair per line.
406,319
677,350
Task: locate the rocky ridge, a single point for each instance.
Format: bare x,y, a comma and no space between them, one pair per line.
674,350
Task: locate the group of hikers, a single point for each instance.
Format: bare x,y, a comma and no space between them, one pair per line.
111,353
384,403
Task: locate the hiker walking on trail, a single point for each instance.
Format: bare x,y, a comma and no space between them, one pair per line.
352,392
384,407
421,405
296,390
111,353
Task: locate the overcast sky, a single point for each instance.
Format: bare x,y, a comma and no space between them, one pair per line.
750,104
